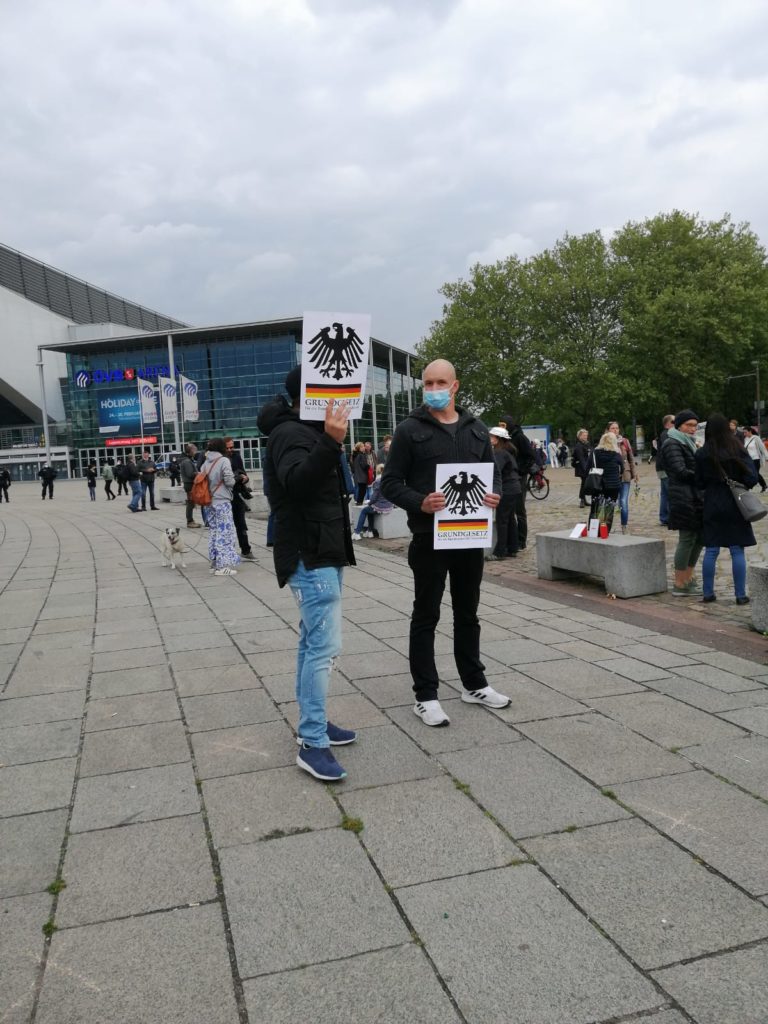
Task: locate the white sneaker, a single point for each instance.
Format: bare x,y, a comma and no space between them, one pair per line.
356,536
487,696
430,712
367,534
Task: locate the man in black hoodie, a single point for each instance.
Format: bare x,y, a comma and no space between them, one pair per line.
312,543
440,432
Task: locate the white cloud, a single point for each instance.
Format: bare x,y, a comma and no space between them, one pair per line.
258,157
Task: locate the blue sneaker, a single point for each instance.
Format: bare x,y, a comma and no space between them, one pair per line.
320,763
337,736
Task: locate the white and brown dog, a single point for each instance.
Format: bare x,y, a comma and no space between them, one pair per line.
173,548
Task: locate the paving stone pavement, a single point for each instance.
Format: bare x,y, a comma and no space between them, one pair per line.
593,854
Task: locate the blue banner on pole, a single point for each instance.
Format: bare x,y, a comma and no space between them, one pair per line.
119,412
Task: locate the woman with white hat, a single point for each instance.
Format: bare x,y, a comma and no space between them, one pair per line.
506,522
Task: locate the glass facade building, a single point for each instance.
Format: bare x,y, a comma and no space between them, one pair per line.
237,369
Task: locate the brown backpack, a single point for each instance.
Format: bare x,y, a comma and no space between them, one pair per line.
200,492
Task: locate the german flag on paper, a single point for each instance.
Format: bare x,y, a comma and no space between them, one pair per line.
342,391
452,525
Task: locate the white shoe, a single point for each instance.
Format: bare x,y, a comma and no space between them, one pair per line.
367,534
487,696
225,572
430,712
356,536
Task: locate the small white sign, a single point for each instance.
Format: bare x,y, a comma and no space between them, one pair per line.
594,528
578,529
465,522
334,362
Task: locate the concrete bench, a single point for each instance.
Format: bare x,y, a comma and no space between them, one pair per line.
393,524
757,578
630,566
175,495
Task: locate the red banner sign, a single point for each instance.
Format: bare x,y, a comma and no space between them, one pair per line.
118,442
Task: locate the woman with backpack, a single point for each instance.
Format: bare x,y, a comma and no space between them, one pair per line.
721,459
217,472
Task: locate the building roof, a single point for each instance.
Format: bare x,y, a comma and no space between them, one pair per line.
72,298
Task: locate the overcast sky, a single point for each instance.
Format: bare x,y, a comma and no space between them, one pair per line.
247,159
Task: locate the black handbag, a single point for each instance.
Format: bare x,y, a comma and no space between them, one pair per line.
593,484
747,503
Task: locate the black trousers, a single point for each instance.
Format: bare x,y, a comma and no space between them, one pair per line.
148,485
464,568
4,492
48,487
190,505
238,514
757,464
520,513
506,526
122,487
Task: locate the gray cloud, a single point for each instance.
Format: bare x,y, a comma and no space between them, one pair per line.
255,158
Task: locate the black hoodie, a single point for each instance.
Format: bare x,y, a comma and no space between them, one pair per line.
305,486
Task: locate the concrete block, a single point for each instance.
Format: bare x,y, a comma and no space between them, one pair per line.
605,751
144,795
578,679
650,897
142,746
237,707
666,721
21,949
732,663
28,743
382,663
410,831
698,695
154,969
124,682
471,726
727,989
30,847
42,786
726,828
247,808
637,671
755,719
134,870
388,691
757,585
194,682
382,756
528,790
396,986
245,748
716,677
349,710
173,495
630,566
543,962
273,930
742,761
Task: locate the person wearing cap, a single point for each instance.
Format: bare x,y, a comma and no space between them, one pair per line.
440,432
756,451
312,543
506,523
685,501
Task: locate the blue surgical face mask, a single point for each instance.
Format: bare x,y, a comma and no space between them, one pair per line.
437,399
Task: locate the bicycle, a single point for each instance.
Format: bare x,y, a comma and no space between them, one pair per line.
538,485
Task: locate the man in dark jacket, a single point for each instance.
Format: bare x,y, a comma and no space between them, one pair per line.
47,474
5,483
148,471
312,544
188,471
667,422
133,477
525,464
439,432
582,460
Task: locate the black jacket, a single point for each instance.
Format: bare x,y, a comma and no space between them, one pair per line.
582,459
506,464
523,446
419,445
612,466
685,500
304,482
132,471
724,525
47,474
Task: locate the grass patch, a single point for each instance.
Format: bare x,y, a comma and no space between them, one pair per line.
55,887
570,828
279,833
49,928
352,824
463,787
609,793
515,862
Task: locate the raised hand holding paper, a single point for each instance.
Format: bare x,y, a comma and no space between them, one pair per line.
334,362
466,521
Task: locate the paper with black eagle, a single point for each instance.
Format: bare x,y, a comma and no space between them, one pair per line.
334,362
465,522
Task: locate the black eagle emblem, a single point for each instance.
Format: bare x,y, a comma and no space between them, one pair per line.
340,354
463,493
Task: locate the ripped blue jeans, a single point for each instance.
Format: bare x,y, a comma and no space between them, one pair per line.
318,596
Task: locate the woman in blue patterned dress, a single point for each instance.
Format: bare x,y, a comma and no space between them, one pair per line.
222,538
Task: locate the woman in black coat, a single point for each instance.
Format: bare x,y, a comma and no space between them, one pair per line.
506,521
724,526
582,460
686,505
360,463
606,457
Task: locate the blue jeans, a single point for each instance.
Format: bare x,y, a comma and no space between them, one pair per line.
663,500
366,512
624,501
135,494
738,566
318,596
